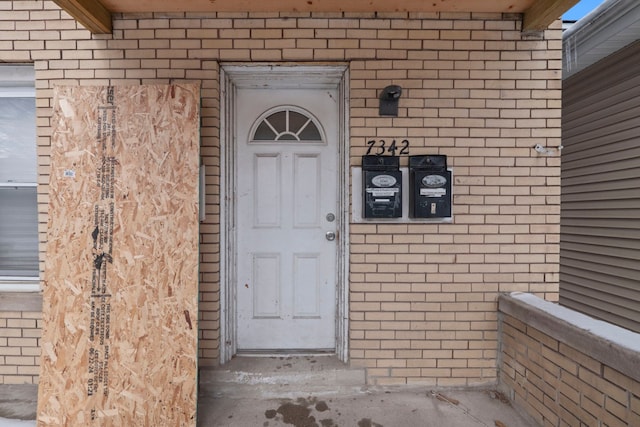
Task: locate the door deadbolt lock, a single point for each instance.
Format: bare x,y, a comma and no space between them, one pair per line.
330,235
331,217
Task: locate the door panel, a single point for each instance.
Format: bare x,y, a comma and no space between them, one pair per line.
307,190
306,286
286,185
267,185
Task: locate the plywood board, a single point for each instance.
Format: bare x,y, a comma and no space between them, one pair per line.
119,344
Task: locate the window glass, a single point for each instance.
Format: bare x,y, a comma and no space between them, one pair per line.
264,132
278,121
17,140
18,177
297,120
310,133
287,125
18,232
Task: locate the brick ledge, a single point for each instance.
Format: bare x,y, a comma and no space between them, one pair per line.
609,344
21,301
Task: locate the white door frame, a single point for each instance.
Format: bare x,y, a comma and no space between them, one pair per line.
232,77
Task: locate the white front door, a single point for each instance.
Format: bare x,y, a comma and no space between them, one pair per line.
286,202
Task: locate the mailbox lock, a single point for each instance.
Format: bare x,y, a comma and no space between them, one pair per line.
330,236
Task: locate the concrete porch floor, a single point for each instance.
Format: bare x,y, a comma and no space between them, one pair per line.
315,391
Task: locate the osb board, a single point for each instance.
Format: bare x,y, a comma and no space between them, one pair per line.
119,344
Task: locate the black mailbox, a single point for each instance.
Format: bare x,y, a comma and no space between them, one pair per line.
382,187
430,182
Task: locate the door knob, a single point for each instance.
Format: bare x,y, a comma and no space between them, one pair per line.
330,235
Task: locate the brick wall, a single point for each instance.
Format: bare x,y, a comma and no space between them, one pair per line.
562,375
19,346
423,297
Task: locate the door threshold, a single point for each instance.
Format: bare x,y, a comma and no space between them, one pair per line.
285,353
281,376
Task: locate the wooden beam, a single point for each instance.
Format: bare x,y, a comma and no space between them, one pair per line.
465,6
90,13
543,12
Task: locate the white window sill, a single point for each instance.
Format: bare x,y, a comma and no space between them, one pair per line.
19,284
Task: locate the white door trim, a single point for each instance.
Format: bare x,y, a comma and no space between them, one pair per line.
233,76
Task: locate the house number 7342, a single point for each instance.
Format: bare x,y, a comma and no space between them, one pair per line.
380,148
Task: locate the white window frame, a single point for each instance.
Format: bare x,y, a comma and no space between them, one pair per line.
18,81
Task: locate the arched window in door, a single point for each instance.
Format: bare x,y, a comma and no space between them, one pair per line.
287,124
